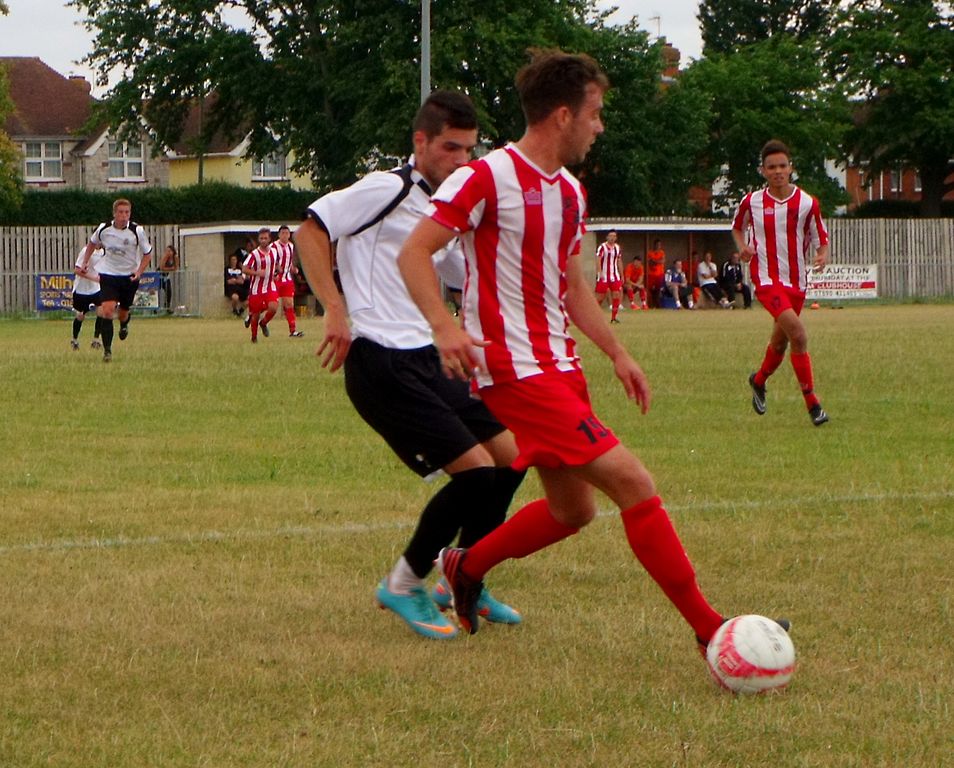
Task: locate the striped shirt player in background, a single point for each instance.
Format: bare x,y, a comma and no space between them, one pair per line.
285,271
259,265
774,230
609,267
86,296
393,373
128,252
519,214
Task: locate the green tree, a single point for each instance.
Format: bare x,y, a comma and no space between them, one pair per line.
729,25
753,99
895,60
10,181
338,80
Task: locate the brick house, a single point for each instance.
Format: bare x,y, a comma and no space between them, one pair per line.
50,123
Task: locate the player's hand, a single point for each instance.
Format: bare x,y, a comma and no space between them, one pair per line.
337,341
821,259
634,381
746,254
458,351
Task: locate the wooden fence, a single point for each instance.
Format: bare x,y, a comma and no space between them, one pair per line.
26,252
915,257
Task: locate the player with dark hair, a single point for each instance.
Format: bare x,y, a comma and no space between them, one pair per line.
392,371
128,251
259,265
609,268
86,296
285,272
519,214
774,230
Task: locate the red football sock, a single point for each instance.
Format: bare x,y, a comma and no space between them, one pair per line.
529,530
255,325
268,317
656,545
616,304
290,317
802,364
770,364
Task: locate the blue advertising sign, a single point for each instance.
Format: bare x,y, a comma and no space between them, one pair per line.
54,290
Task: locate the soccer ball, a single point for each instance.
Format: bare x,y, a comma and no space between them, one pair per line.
751,654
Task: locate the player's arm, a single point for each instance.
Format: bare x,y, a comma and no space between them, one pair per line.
589,318
417,268
314,252
821,256
83,264
143,264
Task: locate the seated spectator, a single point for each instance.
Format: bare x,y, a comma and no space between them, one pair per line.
708,274
678,285
732,281
633,282
236,285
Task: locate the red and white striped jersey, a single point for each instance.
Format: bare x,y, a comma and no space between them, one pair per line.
608,258
518,226
782,233
283,253
258,260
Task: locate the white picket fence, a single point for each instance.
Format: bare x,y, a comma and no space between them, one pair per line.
26,252
915,257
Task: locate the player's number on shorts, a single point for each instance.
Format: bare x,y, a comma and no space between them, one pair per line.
592,428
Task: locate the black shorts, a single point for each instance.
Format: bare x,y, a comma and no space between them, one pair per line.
118,288
426,418
83,302
241,290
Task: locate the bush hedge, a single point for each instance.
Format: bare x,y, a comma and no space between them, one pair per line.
185,205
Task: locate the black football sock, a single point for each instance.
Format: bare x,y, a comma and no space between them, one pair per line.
464,498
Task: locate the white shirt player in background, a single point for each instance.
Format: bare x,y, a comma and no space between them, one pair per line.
774,230
609,273
285,271
128,252
393,374
86,296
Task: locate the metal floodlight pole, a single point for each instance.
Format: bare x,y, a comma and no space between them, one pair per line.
425,49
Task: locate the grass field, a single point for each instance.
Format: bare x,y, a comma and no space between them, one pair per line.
190,538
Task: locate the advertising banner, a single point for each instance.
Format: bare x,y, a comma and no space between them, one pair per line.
843,281
54,290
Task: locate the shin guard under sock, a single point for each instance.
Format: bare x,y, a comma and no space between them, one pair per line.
77,326
290,318
529,530
107,328
657,546
465,498
506,482
770,364
802,365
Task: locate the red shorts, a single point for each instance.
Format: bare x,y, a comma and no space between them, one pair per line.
286,289
602,286
258,302
777,298
551,419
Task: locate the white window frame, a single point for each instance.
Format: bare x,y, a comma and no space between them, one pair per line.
43,159
895,180
260,166
917,181
118,152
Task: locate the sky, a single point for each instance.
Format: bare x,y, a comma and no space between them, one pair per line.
51,30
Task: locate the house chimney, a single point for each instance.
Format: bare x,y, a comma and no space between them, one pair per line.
82,82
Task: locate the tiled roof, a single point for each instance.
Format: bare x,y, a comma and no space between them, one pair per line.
45,102
219,143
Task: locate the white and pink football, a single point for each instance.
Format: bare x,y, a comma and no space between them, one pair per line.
751,654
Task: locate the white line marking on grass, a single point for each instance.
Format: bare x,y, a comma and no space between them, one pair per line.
204,537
